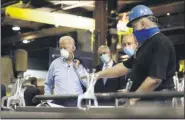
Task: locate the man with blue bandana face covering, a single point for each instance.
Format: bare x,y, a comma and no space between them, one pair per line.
154,63
111,84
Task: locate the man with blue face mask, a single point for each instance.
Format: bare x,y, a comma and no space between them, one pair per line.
129,45
111,84
154,63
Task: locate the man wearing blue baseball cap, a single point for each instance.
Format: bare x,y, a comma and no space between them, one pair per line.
154,62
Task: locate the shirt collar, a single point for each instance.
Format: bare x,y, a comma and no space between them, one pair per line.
32,85
109,64
65,62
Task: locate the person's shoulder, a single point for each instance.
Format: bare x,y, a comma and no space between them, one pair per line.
29,88
99,66
37,89
56,61
161,38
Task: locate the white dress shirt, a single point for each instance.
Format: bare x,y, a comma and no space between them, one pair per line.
105,66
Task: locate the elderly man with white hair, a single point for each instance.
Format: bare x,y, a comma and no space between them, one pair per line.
62,77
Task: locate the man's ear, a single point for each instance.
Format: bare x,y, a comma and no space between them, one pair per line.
74,48
110,54
143,24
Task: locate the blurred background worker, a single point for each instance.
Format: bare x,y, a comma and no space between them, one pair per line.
62,74
3,91
110,84
31,91
154,63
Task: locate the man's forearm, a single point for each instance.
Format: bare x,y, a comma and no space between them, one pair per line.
148,85
116,71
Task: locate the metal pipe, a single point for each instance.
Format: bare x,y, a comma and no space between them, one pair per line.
165,94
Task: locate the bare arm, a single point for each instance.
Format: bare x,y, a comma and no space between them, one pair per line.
148,85
116,71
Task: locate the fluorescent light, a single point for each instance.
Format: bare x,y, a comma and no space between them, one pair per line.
16,28
79,4
26,41
56,25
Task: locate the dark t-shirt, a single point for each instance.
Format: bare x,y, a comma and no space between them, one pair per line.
156,58
29,94
3,91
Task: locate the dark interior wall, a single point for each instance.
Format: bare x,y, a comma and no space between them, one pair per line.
38,63
176,35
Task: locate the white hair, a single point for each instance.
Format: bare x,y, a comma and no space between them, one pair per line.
67,38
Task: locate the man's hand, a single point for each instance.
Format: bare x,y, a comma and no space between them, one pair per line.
93,77
122,91
131,102
124,58
76,63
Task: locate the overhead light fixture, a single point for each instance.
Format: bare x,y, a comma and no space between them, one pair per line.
79,4
26,41
16,28
56,25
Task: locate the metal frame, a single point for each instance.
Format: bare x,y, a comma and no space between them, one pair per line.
129,112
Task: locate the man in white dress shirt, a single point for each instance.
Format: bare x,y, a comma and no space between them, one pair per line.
110,84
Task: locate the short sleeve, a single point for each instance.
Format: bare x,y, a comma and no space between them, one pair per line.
128,63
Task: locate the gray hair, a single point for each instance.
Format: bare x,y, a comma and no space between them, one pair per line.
67,38
153,19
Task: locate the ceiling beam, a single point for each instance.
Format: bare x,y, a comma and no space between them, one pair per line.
48,17
168,8
123,3
36,34
161,10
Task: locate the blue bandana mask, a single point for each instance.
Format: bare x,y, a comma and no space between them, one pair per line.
142,35
129,51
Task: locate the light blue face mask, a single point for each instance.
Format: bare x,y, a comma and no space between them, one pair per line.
129,51
105,58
